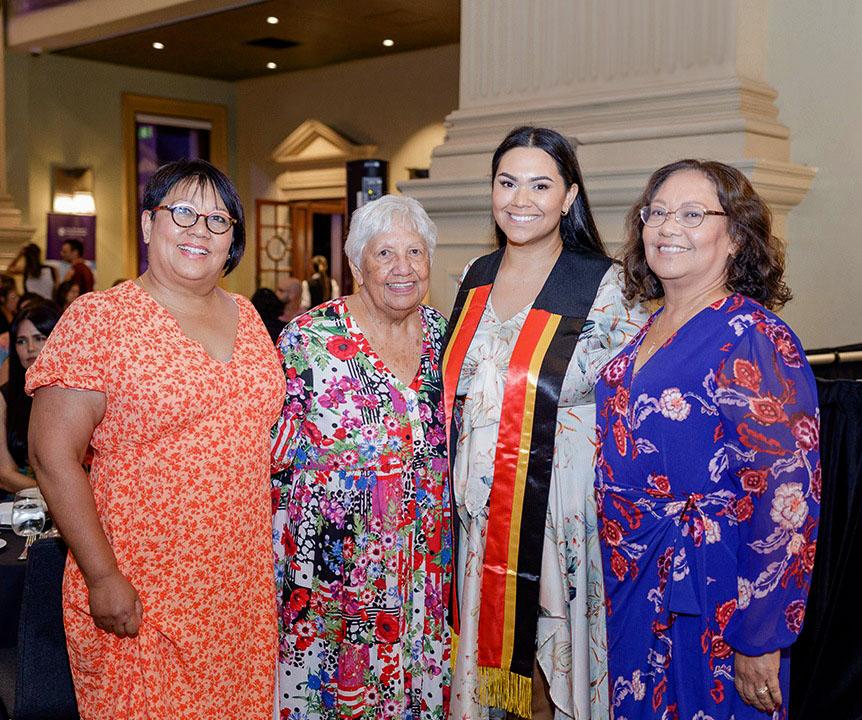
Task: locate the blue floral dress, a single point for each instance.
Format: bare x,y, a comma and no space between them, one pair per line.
708,485
360,528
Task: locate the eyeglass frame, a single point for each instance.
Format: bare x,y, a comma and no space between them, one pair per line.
206,216
673,213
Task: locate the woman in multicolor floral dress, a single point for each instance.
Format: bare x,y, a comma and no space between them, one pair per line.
708,476
361,531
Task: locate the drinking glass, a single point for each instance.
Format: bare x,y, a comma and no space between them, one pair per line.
28,512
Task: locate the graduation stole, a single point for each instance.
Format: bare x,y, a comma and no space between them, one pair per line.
509,604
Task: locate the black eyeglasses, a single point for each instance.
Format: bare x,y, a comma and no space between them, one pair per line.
690,216
185,216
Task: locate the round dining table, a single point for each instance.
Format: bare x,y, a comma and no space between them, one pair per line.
11,586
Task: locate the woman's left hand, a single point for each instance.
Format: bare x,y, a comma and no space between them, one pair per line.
757,680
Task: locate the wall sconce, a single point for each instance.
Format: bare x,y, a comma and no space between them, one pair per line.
72,191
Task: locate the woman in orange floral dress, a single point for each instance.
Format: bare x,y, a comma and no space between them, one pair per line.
168,594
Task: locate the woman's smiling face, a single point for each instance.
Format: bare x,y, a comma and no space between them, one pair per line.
529,196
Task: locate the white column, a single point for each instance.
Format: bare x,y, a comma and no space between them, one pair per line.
12,232
633,83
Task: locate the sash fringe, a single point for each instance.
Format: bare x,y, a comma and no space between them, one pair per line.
506,690
453,649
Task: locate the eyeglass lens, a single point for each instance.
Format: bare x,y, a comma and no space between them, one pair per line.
185,216
688,215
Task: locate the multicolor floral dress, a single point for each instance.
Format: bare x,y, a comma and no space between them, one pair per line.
570,646
361,534
708,483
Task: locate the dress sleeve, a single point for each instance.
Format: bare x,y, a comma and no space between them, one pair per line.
77,352
299,377
610,326
767,399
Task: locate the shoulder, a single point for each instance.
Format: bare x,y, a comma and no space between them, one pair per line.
434,319
319,323
750,323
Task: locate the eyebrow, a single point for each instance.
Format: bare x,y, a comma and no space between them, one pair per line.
532,179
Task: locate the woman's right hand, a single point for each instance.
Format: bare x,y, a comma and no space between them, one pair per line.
115,605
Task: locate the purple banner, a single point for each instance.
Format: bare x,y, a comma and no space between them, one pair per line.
63,227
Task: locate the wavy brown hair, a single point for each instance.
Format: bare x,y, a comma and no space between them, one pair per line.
756,269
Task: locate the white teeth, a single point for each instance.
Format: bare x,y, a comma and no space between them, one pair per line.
672,249
523,218
193,250
400,286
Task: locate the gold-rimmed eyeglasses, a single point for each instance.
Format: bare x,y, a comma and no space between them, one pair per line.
185,216
689,215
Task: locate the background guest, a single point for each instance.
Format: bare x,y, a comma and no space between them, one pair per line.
72,252
319,287
289,291
168,592
269,307
549,298
708,474
30,329
360,529
66,293
39,278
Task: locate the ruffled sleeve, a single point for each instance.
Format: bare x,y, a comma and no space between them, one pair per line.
767,398
299,376
610,326
77,353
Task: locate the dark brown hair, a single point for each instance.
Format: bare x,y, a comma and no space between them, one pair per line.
756,268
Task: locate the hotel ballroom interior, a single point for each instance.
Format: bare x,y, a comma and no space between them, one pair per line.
314,108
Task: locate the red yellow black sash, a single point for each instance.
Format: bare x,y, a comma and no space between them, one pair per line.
509,605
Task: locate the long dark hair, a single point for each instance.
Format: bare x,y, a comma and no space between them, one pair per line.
44,317
32,261
756,269
577,227
205,175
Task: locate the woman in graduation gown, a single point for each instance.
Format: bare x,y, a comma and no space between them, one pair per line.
532,325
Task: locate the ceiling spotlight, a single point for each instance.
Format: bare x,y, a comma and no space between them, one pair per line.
388,42
272,20
271,66
158,46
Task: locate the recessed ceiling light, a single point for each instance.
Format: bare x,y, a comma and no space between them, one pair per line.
271,66
272,20
158,46
388,42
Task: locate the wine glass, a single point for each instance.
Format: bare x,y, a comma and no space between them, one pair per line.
28,512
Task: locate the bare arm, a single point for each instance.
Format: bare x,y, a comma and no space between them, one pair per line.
61,424
14,267
11,479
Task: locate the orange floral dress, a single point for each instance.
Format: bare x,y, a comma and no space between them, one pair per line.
180,476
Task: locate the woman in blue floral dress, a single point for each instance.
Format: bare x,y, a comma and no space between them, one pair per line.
361,534
708,475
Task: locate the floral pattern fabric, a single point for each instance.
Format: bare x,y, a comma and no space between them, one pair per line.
179,477
570,645
708,482
361,530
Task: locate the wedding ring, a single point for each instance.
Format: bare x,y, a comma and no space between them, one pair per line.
763,691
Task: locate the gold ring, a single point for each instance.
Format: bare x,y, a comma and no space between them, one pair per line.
763,691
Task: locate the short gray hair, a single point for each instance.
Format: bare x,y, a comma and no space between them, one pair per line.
384,215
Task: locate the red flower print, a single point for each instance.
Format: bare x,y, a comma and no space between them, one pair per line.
807,555
784,344
658,694
754,481
615,370
621,400
794,614
619,565
816,483
299,599
312,431
717,691
289,543
746,374
342,347
620,436
723,613
612,532
767,410
758,441
743,508
720,649
806,431
659,485
386,628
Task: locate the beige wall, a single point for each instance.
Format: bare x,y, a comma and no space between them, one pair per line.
397,102
815,64
66,111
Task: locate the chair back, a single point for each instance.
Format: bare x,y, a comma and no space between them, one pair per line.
44,690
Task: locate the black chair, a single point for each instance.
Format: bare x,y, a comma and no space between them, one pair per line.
43,689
